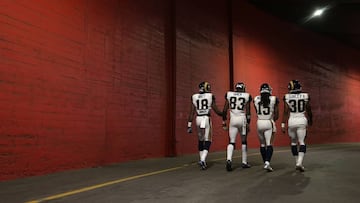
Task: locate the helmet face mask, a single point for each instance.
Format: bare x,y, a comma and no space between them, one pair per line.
204,87
240,87
294,86
265,88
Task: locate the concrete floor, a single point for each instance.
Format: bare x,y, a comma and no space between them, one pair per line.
332,175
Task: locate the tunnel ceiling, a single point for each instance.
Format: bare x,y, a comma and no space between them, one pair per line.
340,20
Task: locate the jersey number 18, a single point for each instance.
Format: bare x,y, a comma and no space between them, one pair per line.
202,104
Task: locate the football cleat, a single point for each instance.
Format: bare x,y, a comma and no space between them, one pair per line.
245,165
228,165
300,168
268,168
203,165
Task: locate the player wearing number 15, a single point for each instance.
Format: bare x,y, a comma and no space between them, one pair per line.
298,110
267,112
202,103
238,102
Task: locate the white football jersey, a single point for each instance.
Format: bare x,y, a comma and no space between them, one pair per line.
265,113
237,102
297,103
202,103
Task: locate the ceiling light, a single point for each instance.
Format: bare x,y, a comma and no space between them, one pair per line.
318,12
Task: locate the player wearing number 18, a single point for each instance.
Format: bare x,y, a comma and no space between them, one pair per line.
201,104
297,111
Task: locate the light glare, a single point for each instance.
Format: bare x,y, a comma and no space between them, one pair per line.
318,12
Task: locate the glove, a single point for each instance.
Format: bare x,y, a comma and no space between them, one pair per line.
247,128
224,126
189,129
310,122
283,127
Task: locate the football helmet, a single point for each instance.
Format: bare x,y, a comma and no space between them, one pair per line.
265,88
204,87
294,86
240,87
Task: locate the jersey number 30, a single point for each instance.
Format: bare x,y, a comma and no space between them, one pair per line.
297,105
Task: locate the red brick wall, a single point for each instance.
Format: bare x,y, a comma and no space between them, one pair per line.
82,83
86,83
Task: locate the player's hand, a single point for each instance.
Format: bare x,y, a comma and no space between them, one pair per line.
283,129
224,126
310,122
247,128
189,129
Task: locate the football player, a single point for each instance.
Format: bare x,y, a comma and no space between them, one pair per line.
267,111
201,104
297,113
238,101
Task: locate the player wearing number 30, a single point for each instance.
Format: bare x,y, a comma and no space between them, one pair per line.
298,110
202,103
267,112
239,103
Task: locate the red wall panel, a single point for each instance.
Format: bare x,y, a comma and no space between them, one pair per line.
82,84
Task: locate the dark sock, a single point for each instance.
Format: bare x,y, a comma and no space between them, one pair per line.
263,153
269,153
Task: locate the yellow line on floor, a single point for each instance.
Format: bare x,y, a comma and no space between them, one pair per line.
73,192
85,189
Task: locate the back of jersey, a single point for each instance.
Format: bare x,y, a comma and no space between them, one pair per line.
297,103
265,113
237,102
202,102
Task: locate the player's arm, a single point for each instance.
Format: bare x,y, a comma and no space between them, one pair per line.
224,113
215,108
190,118
309,113
285,115
248,110
255,108
225,109
276,109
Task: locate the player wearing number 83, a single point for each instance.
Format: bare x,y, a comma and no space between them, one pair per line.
201,104
297,110
238,102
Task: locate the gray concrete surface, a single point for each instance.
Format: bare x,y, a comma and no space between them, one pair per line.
332,175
